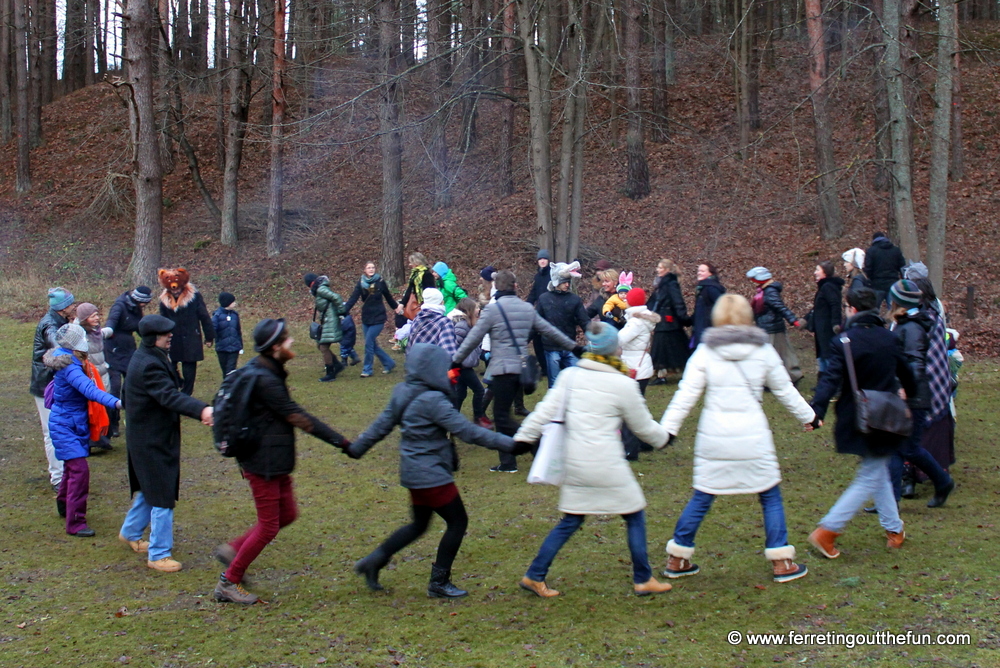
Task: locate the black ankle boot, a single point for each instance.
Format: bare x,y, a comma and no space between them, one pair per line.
370,567
440,585
61,508
331,374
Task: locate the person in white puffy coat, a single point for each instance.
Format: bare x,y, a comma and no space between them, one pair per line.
734,450
635,337
599,396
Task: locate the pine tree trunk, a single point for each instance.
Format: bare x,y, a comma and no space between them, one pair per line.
899,129
36,70
74,46
265,51
882,177
637,180
47,33
472,14
275,210
7,70
410,16
239,97
831,223
23,183
438,45
507,119
221,63
199,36
956,170
391,143
147,174
937,204
659,115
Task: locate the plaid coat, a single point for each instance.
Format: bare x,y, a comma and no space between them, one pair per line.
432,327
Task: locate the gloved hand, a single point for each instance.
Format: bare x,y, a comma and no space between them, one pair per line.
345,446
453,374
579,351
817,423
456,365
521,448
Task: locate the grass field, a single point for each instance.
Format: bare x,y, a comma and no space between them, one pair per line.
92,602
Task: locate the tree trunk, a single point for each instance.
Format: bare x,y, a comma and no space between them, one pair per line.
539,101
265,51
899,129
937,205
147,175
509,106
239,100
575,55
275,210
36,69
74,48
199,36
637,180
831,224
7,72
410,14
472,14
956,170
882,178
47,33
438,46
391,141
23,183
221,63
658,21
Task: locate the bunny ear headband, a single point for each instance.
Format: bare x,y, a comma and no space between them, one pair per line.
625,279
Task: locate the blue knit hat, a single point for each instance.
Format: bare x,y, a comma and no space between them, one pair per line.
440,268
60,298
906,294
487,273
602,339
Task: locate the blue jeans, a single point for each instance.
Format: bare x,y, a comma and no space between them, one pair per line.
870,482
636,524
161,527
372,349
556,361
823,364
775,533
913,452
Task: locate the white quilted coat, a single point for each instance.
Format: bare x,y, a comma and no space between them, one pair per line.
634,339
599,481
734,451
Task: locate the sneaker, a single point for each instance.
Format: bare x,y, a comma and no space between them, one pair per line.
224,554
165,565
499,469
138,546
85,532
484,422
389,370
365,375
537,588
233,592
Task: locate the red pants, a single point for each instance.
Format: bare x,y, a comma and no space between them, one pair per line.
276,509
73,491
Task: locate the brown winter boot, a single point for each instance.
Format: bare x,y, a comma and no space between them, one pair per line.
822,539
539,588
679,562
783,563
895,540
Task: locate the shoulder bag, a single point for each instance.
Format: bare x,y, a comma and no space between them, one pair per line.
877,411
529,364
549,465
316,328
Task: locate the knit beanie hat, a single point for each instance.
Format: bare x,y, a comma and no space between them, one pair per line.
636,297
759,274
915,270
310,278
905,293
141,295
487,273
60,298
433,299
855,256
226,299
440,268
543,254
85,310
72,337
267,332
602,339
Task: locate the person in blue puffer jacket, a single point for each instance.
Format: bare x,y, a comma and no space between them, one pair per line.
69,425
228,333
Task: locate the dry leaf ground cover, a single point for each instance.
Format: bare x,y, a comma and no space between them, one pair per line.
74,602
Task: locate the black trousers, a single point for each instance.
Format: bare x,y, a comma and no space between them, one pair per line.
187,372
505,388
114,415
453,513
633,445
228,361
468,379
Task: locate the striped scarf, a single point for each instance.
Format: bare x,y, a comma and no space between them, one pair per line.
938,372
612,361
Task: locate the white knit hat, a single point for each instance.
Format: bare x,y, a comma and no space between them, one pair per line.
433,299
73,337
760,274
855,256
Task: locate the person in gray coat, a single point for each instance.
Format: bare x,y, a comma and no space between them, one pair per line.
508,343
421,406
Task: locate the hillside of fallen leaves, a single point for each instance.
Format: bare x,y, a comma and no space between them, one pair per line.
708,201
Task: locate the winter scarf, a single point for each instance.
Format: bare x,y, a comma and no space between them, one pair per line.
938,372
97,414
417,280
612,361
369,283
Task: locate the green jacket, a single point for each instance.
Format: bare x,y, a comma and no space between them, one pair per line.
448,285
329,308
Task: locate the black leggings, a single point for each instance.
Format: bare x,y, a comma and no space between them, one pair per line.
187,371
453,513
468,379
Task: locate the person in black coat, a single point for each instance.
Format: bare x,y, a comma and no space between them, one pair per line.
539,287
879,364
707,292
181,302
374,295
883,265
826,315
770,314
153,405
119,329
670,344
564,310
228,333
268,467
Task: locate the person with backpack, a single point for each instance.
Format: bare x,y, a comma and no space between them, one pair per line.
153,404
770,314
422,408
267,457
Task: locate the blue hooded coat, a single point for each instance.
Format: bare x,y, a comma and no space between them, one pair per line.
72,389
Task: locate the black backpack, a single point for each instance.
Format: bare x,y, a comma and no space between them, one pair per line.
235,429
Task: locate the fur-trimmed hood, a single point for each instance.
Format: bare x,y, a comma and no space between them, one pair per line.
58,359
734,342
176,303
642,313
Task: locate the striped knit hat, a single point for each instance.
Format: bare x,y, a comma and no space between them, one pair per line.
905,293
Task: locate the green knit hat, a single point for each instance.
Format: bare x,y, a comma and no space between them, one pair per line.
906,294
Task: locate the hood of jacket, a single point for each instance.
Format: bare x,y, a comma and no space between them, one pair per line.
642,313
882,243
833,280
865,319
58,358
921,317
734,342
427,365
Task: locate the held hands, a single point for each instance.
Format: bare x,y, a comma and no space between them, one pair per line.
453,374
399,309
521,448
118,405
579,351
107,332
345,447
815,424
206,416
208,344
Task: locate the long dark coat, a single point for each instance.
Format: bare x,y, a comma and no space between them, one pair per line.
154,405
187,343
827,313
123,318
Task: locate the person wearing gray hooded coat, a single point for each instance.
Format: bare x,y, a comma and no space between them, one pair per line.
421,406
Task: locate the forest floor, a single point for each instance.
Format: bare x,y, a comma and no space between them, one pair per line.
709,201
92,602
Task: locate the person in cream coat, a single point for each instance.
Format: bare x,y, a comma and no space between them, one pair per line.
734,451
